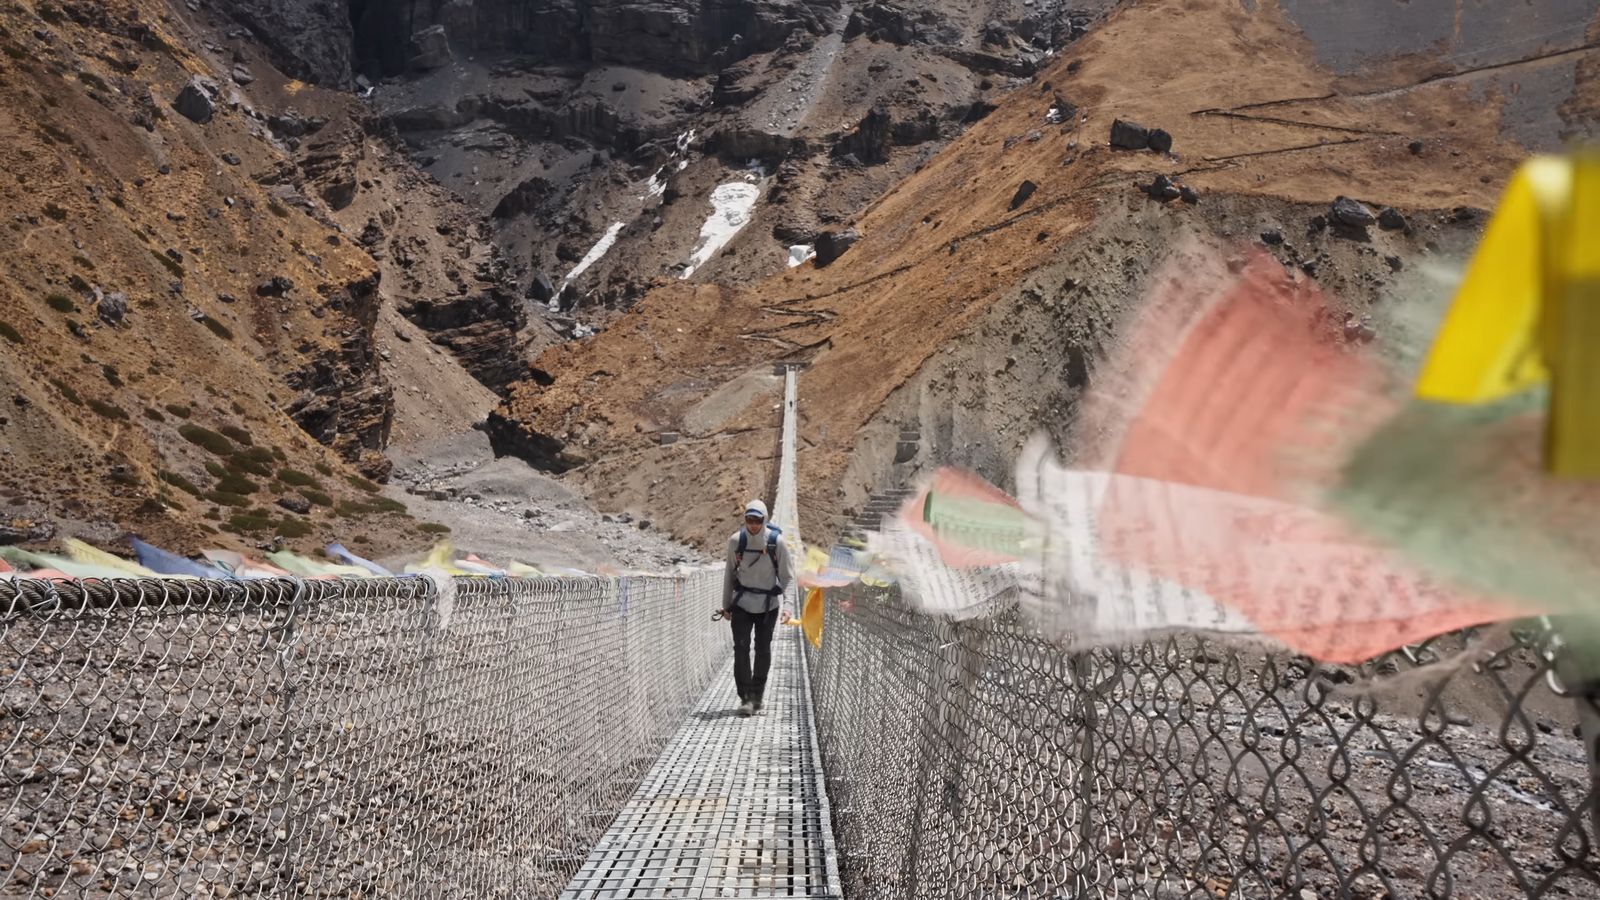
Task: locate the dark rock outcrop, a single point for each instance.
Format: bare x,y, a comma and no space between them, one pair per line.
869,141
509,437
344,401
308,39
680,37
920,129
740,145
832,244
524,198
330,165
900,22
480,330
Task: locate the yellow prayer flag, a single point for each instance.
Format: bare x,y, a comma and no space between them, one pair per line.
811,617
1489,346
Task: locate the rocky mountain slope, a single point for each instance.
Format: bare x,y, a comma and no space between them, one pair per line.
592,135
313,229
263,247
971,309
195,342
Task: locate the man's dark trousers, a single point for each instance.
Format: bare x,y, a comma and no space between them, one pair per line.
752,684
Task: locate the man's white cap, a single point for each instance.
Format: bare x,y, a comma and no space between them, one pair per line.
756,508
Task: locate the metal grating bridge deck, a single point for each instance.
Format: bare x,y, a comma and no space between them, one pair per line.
735,809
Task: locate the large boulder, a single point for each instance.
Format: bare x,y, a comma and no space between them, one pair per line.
1353,213
1127,135
429,49
194,102
1023,193
542,288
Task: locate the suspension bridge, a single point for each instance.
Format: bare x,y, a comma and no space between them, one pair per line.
734,808
576,738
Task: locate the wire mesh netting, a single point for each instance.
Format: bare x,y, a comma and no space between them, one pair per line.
978,760
334,738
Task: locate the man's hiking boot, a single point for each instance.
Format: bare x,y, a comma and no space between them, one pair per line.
747,709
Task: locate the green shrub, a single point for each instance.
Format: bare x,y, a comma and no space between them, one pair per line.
317,497
95,81
9,333
111,376
294,528
239,435
154,414
277,209
215,469
254,461
108,410
83,262
362,484
323,468
223,498
77,283
179,482
178,409
61,303
205,437
298,479
248,523
433,528
234,484
385,504
55,212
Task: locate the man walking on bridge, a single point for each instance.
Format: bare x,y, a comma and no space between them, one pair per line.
752,590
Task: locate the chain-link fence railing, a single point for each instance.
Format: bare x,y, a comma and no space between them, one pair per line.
358,738
978,760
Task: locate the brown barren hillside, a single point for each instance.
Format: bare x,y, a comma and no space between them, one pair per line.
189,342
1256,117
